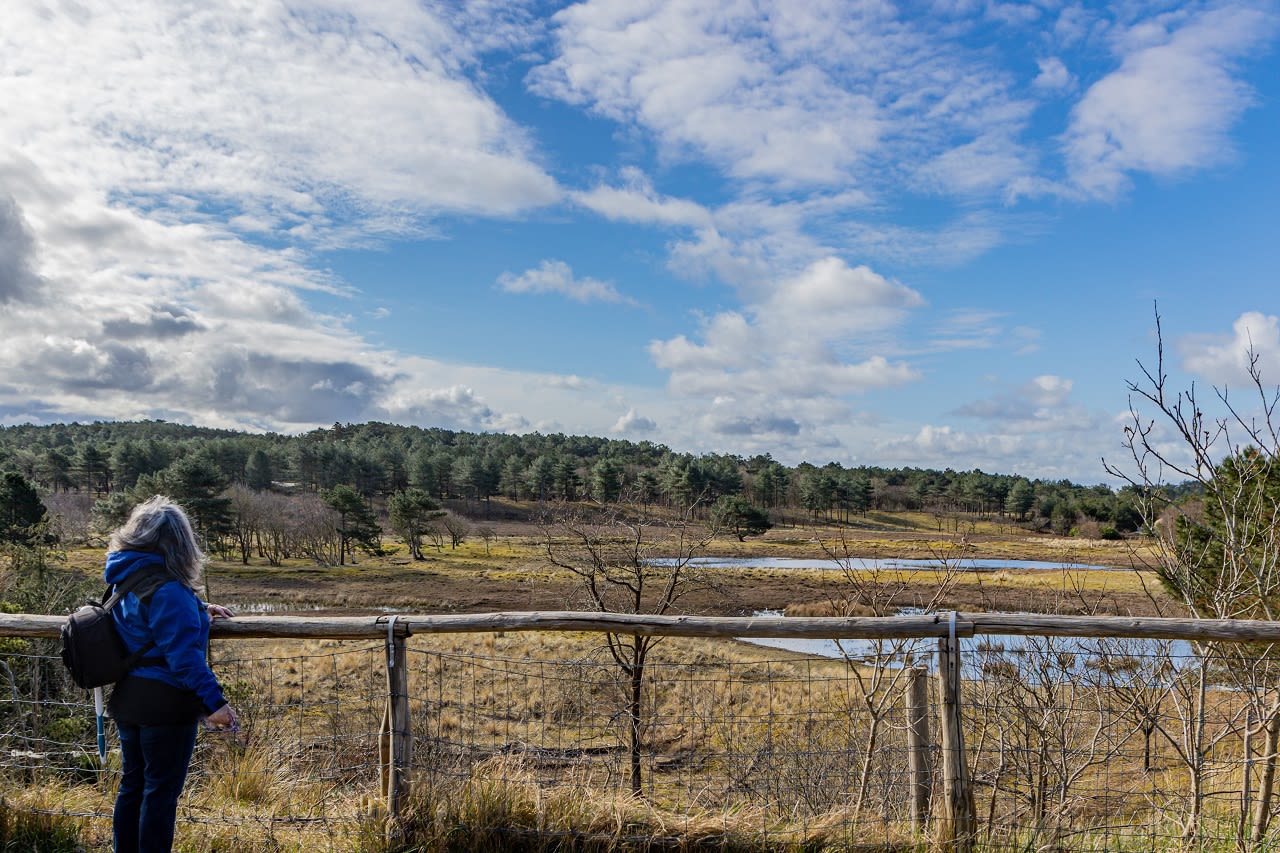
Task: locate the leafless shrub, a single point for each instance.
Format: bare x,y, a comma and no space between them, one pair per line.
70,517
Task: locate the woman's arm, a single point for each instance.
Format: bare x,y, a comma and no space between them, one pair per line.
180,630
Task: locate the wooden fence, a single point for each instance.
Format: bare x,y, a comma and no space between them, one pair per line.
951,815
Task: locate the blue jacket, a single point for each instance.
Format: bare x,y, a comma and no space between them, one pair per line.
175,619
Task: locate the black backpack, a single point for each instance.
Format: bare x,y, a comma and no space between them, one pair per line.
92,649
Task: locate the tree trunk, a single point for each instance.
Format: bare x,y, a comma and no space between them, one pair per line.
1266,785
864,776
1196,752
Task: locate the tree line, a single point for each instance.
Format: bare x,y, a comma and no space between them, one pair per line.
109,460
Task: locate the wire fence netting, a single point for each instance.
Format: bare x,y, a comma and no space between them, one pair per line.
302,767
563,740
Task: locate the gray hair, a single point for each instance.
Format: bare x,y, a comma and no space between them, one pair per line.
160,525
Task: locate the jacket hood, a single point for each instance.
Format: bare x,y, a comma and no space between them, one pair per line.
121,564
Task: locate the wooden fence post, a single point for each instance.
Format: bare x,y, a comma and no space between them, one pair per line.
918,745
395,738
957,823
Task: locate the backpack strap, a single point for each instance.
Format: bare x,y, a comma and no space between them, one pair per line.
142,583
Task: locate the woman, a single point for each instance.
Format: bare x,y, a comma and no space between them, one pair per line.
158,705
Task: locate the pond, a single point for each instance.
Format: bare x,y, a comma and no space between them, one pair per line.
967,564
1034,658
924,649
857,649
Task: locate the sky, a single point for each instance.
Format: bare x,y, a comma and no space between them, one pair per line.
920,234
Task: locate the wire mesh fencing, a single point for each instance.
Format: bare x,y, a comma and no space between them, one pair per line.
729,742
1114,744
302,772
560,740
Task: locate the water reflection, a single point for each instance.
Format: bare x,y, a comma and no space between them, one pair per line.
1073,657
967,564
1084,649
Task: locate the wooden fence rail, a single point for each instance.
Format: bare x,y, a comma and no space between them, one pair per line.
938,625
954,809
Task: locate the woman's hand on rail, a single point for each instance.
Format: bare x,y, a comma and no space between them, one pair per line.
225,718
217,611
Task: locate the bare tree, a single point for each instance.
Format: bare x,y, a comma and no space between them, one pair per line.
1048,722
71,516
435,532
1219,554
880,668
487,535
248,512
314,530
457,528
280,528
628,562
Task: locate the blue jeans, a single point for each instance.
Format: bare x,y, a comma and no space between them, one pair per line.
152,771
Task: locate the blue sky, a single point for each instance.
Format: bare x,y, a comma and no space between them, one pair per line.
926,234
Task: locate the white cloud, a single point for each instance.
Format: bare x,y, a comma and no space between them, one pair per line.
1053,76
1048,456
572,382
427,391
799,95
1013,13
1225,359
143,144
557,277
637,201
1169,106
967,237
1073,24
1041,405
945,442
683,70
747,242
807,339
1027,340
992,162
1048,390
299,115
967,329
634,424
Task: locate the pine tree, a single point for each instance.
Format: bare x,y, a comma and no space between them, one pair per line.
357,525
411,511
22,513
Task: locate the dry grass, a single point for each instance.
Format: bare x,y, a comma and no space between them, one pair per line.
301,776
503,805
520,747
